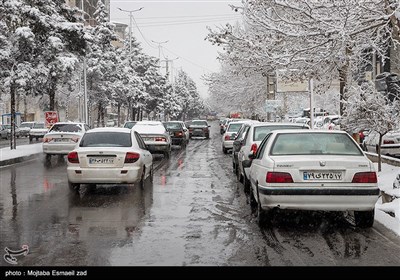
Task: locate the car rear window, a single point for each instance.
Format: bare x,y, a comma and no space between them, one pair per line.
106,139
315,144
199,123
38,125
261,131
66,128
173,125
234,127
129,124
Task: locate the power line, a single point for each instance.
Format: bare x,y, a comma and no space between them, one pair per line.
188,16
191,62
144,38
179,23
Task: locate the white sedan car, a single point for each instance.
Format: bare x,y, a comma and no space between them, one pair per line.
62,138
312,170
109,156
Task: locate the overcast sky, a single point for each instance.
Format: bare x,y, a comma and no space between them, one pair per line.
183,24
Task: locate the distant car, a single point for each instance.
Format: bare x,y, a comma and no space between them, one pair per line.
331,122
199,128
129,124
24,128
155,136
312,170
230,134
5,131
37,131
62,138
109,156
396,182
251,142
178,132
390,143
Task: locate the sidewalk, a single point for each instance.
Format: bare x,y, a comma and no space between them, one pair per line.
387,204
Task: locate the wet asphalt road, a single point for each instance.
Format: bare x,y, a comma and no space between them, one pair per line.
195,213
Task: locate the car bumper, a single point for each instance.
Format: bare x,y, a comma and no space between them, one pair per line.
58,149
227,144
390,150
154,149
177,141
103,175
319,198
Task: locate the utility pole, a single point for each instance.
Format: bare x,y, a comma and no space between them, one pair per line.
130,24
167,67
85,97
159,50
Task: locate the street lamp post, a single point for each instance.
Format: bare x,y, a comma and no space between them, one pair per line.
159,50
130,24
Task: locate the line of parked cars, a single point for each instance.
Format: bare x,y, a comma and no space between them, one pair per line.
289,166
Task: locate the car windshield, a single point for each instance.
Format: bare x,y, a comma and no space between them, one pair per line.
314,144
6,126
173,125
38,125
66,127
129,124
106,139
261,131
234,127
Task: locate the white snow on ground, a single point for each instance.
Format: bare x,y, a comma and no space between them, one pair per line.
385,182
20,151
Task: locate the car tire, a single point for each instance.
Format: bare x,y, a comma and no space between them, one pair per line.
234,167
30,139
47,160
167,154
74,186
151,175
224,150
364,219
246,184
142,178
240,177
262,215
252,201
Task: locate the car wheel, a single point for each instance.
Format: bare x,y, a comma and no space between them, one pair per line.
37,138
240,177
151,175
167,154
47,160
364,219
246,184
224,150
142,178
74,186
253,202
234,167
30,139
262,215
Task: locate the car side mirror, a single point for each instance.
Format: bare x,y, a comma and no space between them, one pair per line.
246,163
252,156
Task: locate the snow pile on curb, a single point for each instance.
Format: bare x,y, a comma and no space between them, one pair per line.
20,151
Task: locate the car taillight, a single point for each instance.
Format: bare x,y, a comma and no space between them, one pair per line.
73,157
162,139
253,148
75,139
47,139
279,177
365,177
227,137
205,129
131,157
179,133
388,142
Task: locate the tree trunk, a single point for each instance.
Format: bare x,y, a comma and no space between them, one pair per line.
133,114
102,115
25,108
12,136
118,114
98,114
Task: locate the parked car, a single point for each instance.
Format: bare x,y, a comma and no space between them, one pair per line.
251,142
390,143
5,131
237,144
199,128
109,156
312,170
62,138
38,130
129,124
230,134
24,128
155,136
331,122
178,132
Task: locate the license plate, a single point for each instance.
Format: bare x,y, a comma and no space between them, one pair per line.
101,160
61,140
326,176
198,129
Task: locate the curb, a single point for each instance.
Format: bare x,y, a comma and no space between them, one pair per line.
19,159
